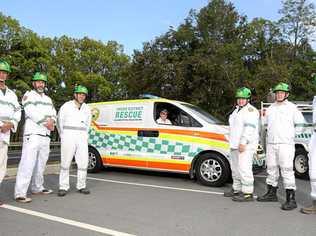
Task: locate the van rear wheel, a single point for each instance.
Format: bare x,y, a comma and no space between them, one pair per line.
300,163
212,170
94,161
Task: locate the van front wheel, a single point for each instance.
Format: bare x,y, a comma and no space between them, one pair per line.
94,161
212,170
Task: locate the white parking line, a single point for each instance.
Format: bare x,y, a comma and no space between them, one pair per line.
66,221
153,186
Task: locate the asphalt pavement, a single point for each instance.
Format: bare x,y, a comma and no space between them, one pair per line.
129,202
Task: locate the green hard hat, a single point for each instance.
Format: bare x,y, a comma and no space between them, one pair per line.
4,66
281,87
81,89
39,77
243,93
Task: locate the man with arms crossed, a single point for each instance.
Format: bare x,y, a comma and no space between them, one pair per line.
40,119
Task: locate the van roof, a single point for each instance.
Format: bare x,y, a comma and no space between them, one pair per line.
138,100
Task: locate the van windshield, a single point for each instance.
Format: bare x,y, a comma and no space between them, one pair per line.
202,114
308,117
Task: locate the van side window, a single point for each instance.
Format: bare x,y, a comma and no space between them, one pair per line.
176,116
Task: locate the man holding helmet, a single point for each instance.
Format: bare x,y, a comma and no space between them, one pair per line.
40,118
10,115
243,140
74,120
282,119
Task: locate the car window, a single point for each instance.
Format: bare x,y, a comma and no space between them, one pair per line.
176,115
203,114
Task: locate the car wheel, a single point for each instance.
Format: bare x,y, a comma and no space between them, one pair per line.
212,170
95,162
300,163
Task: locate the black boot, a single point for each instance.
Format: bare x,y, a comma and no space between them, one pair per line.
290,203
270,196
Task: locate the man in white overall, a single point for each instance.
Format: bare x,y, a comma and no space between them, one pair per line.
10,115
74,120
283,119
312,166
243,140
40,119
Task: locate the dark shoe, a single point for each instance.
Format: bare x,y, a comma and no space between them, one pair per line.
309,210
290,203
61,193
270,195
243,197
43,192
1,203
84,191
231,193
23,199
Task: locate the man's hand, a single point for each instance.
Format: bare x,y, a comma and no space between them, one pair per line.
6,126
241,148
50,124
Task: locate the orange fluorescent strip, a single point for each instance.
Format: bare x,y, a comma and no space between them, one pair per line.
117,161
151,164
168,166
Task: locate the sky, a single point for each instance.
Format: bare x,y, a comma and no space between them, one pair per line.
129,22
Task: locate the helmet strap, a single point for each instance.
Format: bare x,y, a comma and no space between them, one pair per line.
2,84
247,101
3,81
285,97
77,101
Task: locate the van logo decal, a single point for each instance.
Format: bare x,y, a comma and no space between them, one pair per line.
95,113
129,113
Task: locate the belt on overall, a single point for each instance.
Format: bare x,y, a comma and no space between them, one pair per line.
74,128
42,135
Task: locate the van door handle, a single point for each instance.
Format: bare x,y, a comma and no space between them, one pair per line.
148,133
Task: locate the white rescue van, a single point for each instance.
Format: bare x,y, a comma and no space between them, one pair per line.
126,134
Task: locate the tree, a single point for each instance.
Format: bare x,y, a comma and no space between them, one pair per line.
298,22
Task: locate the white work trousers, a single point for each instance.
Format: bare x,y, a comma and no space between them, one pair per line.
35,152
312,165
74,143
3,159
280,157
241,166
